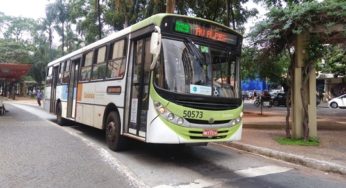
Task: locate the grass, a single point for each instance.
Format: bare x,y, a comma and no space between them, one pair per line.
298,142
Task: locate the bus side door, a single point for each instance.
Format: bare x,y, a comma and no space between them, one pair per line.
139,98
72,88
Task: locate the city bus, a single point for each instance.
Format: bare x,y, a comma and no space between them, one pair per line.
168,79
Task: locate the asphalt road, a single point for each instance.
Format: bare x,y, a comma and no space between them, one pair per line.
35,152
322,109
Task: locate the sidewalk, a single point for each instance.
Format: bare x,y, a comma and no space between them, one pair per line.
260,131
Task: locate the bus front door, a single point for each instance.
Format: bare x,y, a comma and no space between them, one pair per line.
139,101
72,89
55,77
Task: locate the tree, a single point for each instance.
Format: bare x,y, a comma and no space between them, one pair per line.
14,51
60,11
47,26
334,61
17,27
278,33
227,12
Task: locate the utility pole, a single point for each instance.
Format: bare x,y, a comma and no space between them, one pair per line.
170,5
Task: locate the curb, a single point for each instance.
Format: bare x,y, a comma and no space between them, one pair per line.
291,158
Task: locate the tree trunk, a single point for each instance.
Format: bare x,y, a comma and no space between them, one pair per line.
306,76
233,16
63,38
170,5
126,21
288,95
99,18
227,20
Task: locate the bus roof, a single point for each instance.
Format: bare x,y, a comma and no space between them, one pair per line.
155,20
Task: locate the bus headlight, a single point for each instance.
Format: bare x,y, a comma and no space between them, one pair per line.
159,107
170,116
235,121
165,113
180,121
162,110
238,120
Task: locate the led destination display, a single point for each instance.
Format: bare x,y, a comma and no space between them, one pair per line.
212,32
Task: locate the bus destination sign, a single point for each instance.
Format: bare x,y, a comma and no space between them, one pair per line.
213,33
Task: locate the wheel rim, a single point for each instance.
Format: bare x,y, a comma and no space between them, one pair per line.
111,131
334,105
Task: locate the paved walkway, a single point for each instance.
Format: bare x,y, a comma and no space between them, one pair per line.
260,131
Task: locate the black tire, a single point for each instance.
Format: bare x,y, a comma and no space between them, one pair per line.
276,103
257,103
115,141
334,105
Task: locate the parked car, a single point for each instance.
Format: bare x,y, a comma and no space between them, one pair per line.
338,102
280,99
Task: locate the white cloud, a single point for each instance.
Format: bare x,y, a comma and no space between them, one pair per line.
24,8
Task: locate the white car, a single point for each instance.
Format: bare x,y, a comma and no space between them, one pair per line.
339,101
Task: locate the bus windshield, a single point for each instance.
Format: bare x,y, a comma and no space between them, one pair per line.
191,68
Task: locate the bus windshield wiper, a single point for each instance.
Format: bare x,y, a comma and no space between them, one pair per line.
195,51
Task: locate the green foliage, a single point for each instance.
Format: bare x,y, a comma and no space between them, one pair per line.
249,65
217,11
283,24
334,61
253,65
18,27
79,22
278,32
85,14
298,142
14,52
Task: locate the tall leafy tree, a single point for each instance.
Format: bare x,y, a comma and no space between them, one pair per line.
334,61
18,27
47,26
228,12
88,16
60,11
14,51
277,34
122,13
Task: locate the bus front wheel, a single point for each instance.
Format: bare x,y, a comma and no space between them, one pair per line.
115,141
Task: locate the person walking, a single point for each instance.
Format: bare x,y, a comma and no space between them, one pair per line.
39,97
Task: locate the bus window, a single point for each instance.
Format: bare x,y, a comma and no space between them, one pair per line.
49,76
99,69
116,64
66,73
61,71
86,69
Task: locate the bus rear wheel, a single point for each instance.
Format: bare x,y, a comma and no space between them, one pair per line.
115,141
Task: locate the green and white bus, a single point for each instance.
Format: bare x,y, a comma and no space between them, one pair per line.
168,79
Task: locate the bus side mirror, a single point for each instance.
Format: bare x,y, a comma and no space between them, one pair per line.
155,46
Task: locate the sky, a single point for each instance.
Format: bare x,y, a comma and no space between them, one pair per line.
25,8
36,9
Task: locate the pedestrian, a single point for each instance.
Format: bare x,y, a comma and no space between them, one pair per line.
254,94
39,97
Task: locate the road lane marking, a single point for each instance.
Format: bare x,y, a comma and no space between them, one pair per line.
104,154
261,171
110,160
198,183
